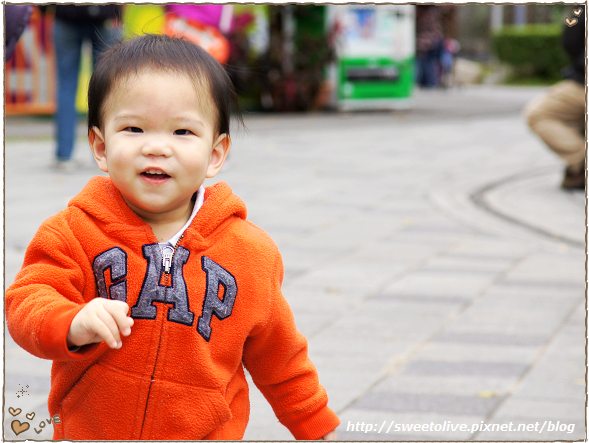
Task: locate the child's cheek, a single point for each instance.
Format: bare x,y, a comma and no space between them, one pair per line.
125,146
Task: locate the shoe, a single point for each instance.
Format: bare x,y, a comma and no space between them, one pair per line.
573,180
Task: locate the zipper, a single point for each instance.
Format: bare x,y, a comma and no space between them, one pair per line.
167,257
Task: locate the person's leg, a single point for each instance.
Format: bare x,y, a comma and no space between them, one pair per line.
559,119
68,43
420,62
429,68
436,57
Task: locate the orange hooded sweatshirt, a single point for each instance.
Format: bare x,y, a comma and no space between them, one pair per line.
180,374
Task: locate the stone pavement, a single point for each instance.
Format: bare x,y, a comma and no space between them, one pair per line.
431,259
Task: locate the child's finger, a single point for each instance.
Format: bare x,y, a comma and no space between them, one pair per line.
116,305
100,330
119,314
108,327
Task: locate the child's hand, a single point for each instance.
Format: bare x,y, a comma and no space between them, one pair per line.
331,436
100,320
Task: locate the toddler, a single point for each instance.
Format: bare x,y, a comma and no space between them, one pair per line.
151,293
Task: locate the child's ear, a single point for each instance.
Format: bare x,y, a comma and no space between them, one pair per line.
221,148
98,146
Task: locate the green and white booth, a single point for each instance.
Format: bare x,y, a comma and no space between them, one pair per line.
375,66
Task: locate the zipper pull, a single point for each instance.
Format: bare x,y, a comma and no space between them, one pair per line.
168,253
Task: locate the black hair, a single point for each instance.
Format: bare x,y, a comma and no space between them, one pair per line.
168,54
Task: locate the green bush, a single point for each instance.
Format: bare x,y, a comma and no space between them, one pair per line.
532,50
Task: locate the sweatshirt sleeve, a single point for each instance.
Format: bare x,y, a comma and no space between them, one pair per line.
46,295
276,357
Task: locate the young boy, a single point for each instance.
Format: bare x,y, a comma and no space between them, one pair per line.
151,293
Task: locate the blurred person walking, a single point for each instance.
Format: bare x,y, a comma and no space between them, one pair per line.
558,117
429,44
75,24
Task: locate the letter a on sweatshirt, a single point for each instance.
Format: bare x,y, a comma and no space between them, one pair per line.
152,291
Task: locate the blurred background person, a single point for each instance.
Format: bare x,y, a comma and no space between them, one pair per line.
16,19
75,24
450,50
558,117
429,44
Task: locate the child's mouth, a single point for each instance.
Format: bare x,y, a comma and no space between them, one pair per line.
155,174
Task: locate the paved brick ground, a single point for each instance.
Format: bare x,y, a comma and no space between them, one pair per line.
431,259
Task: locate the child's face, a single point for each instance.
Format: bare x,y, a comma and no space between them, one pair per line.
158,143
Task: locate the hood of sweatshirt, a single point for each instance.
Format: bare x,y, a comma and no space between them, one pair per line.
101,200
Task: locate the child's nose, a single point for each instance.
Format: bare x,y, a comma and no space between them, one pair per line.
158,146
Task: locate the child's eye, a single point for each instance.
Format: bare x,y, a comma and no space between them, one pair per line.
133,129
182,132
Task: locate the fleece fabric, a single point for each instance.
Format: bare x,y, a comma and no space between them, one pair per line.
180,373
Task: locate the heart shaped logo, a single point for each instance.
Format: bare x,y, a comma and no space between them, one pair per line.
570,22
577,12
19,427
14,412
31,416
